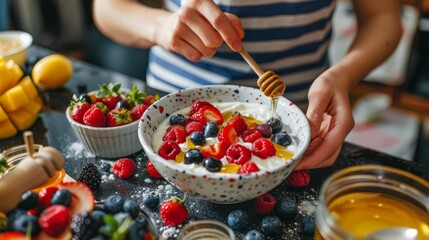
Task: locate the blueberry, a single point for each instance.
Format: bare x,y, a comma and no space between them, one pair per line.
211,130
197,138
105,167
135,232
62,196
28,201
178,119
141,221
307,225
193,156
14,214
98,216
151,200
238,220
85,97
98,237
282,139
131,207
23,222
275,124
265,130
120,217
114,203
212,164
271,225
286,209
122,104
253,235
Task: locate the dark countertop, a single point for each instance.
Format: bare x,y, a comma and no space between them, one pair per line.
53,129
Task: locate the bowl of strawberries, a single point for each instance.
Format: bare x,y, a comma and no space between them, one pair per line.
223,143
106,120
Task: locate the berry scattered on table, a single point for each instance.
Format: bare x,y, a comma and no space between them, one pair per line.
238,220
286,209
307,225
114,203
105,167
151,170
298,178
131,208
151,200
254,235
124,168
271,225
91,176
173,211
265,204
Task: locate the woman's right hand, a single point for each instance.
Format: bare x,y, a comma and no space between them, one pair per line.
198,28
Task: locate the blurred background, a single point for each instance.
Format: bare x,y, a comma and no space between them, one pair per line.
391,106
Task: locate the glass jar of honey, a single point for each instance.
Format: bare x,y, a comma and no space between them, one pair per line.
206,230
361,200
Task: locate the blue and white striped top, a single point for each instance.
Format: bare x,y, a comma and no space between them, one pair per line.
290,37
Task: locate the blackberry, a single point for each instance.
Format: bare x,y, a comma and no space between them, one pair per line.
83,226
90,176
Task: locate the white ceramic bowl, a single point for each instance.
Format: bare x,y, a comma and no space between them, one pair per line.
107,142
222,187
14,45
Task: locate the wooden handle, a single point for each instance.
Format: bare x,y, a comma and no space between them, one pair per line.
256,68
29,142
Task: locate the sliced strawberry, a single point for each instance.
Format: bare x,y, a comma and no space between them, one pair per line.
217,150
12,235
228,135
82,197
197,105
175,133
238,123
251,135
207,114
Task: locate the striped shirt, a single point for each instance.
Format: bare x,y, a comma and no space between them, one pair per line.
290,37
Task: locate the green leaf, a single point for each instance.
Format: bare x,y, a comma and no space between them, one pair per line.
109,220
122,231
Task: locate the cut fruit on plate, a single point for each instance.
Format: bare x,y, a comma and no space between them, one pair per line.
82,197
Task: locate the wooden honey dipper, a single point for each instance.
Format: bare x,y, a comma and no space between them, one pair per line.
268,82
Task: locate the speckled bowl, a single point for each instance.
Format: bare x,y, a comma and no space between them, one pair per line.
222,188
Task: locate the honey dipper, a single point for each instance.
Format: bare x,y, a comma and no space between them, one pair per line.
269,82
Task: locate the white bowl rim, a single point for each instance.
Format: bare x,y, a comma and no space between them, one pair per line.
178,167
25,38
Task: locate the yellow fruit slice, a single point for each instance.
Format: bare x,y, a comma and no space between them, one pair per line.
28,87
15,71
32,107
52,72
3,115
14,98
22,119
7,129
5,77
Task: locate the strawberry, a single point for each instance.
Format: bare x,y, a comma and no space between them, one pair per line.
194,126
197,105
248,167
251,135
137,111
265,204
45,196
169,150
118,117
82,197
54,220
77,109
207,114
175,133
124,168
94,117
238,123
228,135
151,170
298,178
109,94
173,212
238,154
263,148
101,106
217,150
149,99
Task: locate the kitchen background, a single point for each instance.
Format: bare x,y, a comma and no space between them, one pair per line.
391,106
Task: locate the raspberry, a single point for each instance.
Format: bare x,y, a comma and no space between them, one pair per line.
197,105
265,204
228,135
298,178
265,129
248,167
263,148
151,170
251,135
238,154
169,150
194,126
238,123
124,168
175,133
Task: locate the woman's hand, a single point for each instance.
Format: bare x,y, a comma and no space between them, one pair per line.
330,118
198,28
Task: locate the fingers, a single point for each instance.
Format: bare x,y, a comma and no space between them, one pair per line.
57,157
318,103
50,159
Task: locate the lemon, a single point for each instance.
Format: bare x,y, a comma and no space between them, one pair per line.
52,72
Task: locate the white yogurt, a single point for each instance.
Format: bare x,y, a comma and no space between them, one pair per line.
254,110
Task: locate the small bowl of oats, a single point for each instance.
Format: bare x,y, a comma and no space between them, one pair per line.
14,45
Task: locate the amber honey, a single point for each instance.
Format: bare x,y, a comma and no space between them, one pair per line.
361,200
